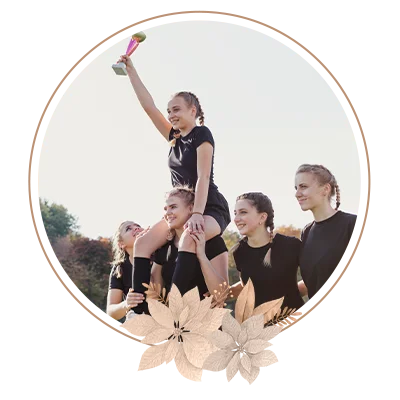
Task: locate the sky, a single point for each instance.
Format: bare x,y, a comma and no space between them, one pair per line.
268,109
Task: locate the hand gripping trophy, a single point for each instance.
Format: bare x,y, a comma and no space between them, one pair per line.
137,38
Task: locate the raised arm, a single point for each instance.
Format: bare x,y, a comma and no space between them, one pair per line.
145,99
204,161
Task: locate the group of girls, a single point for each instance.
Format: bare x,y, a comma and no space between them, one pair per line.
186,248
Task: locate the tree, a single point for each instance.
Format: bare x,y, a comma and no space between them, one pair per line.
289,230
87,263
58,222
231,238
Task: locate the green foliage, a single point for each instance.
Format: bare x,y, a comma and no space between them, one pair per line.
57,221
231,238
87,262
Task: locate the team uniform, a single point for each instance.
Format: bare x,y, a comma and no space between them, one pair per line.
182,162
323,246
275,281
124,282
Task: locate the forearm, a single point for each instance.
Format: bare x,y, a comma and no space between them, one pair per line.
142,93
212,278
302,288
117,311
236,289
202,186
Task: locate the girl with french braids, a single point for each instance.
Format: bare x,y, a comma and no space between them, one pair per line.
326,238
270,261
191,160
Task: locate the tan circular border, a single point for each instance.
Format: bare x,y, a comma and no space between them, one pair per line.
295,27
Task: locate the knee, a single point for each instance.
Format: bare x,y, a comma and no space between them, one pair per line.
141,247
186,243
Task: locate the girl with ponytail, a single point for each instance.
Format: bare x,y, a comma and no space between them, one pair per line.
270,261
324,240
191,160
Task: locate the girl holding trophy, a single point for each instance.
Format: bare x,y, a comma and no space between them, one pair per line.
190,159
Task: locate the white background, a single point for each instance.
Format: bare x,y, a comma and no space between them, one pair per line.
46,350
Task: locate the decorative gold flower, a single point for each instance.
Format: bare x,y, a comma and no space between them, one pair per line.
183,327
242,347
243,339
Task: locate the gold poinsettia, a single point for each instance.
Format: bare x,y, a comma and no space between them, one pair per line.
242,342
183,328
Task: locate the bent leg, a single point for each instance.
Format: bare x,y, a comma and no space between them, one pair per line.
211,227
144,248
156,237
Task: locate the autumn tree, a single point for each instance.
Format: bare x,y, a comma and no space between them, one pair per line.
288,230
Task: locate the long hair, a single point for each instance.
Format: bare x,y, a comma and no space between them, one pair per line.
263,204
119,254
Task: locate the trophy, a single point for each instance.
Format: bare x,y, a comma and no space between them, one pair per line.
120,68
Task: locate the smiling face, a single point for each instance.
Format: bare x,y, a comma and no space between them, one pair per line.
177,212
309,192
128,232
247,219
179,114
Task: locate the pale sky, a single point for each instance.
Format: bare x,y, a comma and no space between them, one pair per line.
268,109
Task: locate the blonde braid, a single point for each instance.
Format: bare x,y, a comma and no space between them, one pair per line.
200,113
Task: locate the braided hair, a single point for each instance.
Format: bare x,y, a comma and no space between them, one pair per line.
191,100
263,204
324,176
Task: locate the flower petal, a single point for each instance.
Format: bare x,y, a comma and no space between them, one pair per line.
185,368
222,340
269,309
254,326
256,345
242,338
269,332
197,348
231,326
140,324
263,359
161,314
183,316
250,377
175,302
212,321
245,302
233,366
246,362
218,360
192,299
171,351
204,307
153,356
157,335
